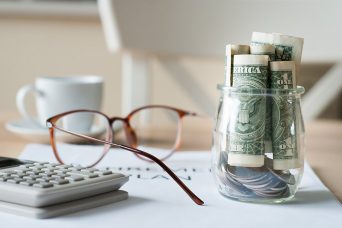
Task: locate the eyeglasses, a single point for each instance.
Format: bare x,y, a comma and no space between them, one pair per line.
141,129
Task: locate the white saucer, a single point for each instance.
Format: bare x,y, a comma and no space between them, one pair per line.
36,133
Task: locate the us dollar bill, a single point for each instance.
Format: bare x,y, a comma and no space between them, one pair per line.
231,50
247,122
263,49
287,48
284,124
266,49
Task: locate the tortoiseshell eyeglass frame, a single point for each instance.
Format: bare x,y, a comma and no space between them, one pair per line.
131,138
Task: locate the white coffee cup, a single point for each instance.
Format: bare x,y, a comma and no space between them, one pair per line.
55,95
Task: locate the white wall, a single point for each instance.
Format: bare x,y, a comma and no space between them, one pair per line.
31,47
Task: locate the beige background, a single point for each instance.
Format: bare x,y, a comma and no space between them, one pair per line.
36,46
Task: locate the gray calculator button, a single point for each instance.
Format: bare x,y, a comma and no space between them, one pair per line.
32,172
74,178
75,168
61,171
46,169
63,166
5,178
42,185
48,174
37,167
8,172
103,172
42,179
51,165
59,181
91,170
28,182
14,181
25,166
21,170
83,174
29,177
19,175
60,175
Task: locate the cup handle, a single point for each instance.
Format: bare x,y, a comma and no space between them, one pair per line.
20,100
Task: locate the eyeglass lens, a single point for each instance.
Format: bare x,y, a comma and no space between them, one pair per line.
155,130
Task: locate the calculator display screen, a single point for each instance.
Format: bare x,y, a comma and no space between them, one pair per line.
9,162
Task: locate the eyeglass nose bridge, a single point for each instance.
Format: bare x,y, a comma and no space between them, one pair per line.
130,134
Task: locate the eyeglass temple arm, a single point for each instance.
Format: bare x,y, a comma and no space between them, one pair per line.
192,195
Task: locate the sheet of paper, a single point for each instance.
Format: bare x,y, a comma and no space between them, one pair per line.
156,201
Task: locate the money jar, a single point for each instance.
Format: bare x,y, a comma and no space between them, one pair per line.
258,144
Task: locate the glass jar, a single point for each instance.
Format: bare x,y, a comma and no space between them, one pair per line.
258,144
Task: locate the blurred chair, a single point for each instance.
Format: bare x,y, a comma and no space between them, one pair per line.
140,29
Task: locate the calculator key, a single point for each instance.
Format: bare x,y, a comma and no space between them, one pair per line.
63,166
74,178
42,179
32,172
61,171
14,180
37,167
46,169
103,172
29,177
59,181
25,166
75,168
50,165
20,170
19,175
8,172
48,174
60,175
91,170
28,182
5,178
42,185
83,174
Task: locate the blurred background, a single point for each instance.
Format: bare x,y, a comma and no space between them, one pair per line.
58,38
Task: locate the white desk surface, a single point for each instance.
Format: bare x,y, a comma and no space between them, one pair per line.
160,202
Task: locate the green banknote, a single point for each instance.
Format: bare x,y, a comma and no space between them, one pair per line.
231,50
266,49
263,49
284,127
247,123
286,47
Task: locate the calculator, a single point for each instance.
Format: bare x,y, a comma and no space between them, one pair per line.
42,184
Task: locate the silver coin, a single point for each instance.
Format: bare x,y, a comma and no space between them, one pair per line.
284,176
232,183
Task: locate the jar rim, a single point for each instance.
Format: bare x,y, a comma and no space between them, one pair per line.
252,91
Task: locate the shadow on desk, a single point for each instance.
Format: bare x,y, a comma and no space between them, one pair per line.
132,201
312,197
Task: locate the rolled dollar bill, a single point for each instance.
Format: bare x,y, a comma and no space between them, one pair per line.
287,47
261,38
231,50
266,49
284,127
247,125
263,49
